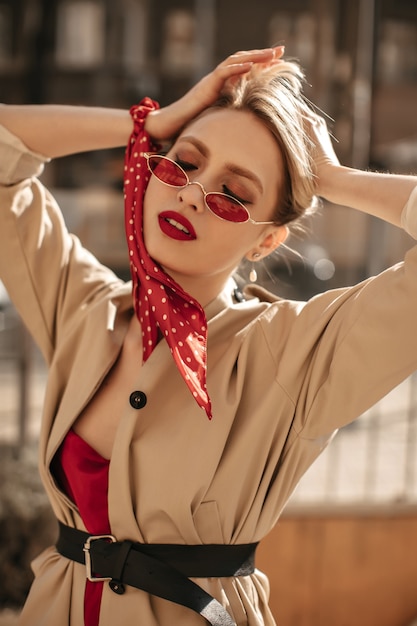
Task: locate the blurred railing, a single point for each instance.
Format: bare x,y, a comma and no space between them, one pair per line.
372,461
16,349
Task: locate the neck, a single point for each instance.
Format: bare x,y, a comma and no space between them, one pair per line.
201,288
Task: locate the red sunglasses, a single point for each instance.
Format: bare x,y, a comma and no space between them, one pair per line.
222,205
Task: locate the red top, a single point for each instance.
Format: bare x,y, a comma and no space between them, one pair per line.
83,474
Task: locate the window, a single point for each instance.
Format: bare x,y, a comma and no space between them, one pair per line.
178,56
397,52
80,34
5,35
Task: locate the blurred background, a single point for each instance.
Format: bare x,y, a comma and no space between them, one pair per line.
345,550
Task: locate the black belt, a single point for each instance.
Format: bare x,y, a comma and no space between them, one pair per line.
162,570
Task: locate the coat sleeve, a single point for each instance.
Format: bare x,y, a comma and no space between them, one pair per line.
344,350
47,273
17,162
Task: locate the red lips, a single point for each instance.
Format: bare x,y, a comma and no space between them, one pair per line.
176,226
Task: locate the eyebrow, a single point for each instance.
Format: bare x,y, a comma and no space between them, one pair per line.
231,167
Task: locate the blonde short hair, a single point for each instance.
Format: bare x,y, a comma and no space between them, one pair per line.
274,95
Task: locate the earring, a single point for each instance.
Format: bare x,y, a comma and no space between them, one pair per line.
253,276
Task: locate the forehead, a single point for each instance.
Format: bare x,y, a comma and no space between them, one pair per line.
240,138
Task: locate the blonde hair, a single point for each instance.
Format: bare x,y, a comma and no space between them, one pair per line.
274,95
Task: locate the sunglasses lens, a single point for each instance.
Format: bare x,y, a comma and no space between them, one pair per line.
224,206
227,208
167,171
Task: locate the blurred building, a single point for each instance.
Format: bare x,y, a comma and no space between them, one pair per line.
360,57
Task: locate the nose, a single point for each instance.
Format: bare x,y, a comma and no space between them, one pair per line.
193,194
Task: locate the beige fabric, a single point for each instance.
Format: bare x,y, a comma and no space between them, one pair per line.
283,376
409,215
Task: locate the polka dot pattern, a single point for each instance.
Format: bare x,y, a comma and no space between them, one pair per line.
160,303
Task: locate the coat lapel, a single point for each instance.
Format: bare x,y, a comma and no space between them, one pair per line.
81,363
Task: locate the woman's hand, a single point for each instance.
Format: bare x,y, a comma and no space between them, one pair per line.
381,195
325,161
168,121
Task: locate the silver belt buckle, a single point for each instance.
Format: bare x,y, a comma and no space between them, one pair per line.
88,563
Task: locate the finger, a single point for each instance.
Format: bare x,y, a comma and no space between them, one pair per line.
278,52
226,71
271,63
254,56
241,62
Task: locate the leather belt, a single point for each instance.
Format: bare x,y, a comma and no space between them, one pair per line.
163,570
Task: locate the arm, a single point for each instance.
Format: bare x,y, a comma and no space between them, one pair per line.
47,273
381,195
59,130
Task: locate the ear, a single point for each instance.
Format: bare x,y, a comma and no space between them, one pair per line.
268,243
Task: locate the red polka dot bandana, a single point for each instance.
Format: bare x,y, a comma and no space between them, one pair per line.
161,305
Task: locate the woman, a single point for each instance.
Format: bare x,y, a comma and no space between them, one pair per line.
125,449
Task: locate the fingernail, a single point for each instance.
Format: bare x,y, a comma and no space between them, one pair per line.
278,51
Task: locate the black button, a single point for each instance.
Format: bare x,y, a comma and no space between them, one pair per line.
138,399
117,587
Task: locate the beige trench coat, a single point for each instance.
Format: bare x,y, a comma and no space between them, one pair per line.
282,376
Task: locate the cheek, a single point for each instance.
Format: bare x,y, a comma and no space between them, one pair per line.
156,197
149,215
154,194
